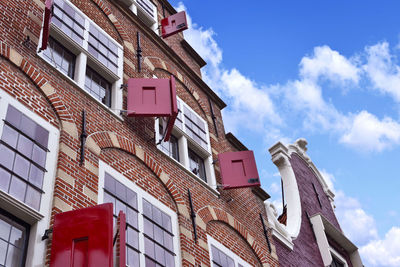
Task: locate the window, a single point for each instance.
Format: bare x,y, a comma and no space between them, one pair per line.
171,148
151,235
196,165
28,155
23,146
221,256
336,262
13,241
98,87
146,10
189,144
81,50
61,57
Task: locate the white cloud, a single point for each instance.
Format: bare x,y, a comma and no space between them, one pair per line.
274,188
384,252
382,71
358,226
368,133
329,179
329,64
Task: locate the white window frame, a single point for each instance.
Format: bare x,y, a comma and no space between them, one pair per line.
336,255
149,20
184,142
103,168
39,220
227,251
82,57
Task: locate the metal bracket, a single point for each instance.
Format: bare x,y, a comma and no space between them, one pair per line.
139,52
26,42
83,138
265,233
46,234
124,86
192,216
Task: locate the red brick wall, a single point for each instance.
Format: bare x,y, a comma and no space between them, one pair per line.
62,106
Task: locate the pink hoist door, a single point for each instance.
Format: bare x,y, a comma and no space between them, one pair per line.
238,169
83,238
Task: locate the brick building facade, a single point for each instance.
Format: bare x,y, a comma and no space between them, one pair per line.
94,48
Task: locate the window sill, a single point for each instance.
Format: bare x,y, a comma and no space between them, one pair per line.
198,179
75,84
19,209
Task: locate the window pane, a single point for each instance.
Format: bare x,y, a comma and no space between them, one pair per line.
4,179
149,247
4,230
28,126
168,241
148,228
109,183
131,198
120,191
169,260
3,251
25,146
147,209
120,206
16,237
158,234
33,198
61,57
150,263
166,222
9,136
157,215
17,188
160,257
132,258
21,166
36,176
132,237
132,217
13,116
14,257
7,157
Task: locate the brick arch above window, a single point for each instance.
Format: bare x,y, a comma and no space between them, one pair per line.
44,85
99,141
209,213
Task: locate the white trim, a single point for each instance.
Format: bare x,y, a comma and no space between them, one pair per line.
103,168
227,251
338,256
39,220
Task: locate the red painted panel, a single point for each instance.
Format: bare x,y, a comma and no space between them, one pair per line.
83,238
238,169
122,239
173,24
48,10
174,108
149,97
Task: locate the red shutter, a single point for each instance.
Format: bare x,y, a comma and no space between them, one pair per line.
48,10
173,24
122,239
83,238
238,169
150,97
174,108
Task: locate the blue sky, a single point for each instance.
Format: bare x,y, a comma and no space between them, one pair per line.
327,71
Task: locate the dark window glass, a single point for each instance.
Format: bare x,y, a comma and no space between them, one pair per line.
157,226
336,262
69,21
196,165
61,57
102,48
98,87
23,158
171,147
13,241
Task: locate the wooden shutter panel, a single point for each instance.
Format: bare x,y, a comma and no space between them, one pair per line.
238,169
83,238
48,12
150,97
173,24
122,239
